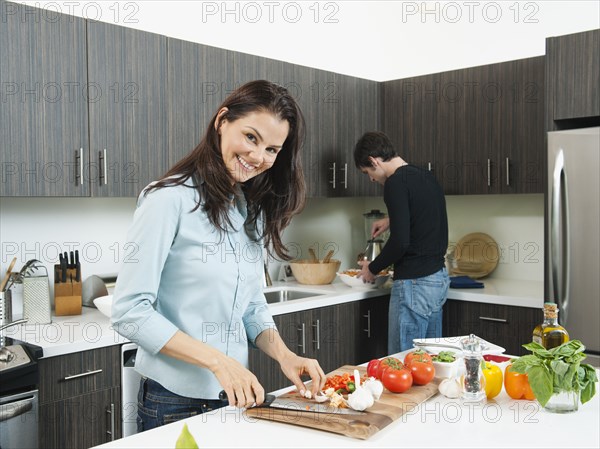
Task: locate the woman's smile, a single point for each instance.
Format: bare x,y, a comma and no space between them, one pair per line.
250,144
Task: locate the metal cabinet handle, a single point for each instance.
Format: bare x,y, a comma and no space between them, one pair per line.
13,409
79,157
345,170
111,412
507,171
429,166
317,334
104,167
333,175
88,373
560,274
497,320
303,339
489,172
368,329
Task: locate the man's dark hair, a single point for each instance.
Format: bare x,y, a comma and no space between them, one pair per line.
373,144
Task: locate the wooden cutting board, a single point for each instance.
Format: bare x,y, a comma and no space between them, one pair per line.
386,410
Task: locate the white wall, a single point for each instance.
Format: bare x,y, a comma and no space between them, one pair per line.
40,227
378,40
515,222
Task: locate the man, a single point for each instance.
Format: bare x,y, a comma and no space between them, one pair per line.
417,244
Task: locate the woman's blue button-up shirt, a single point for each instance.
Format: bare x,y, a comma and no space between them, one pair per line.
186,275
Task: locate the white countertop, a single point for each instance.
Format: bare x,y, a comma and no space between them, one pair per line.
69,334
509,292
91,329
438,422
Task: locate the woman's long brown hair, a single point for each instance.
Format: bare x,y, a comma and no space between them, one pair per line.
275,195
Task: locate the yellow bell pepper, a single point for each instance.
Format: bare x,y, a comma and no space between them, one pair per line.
493,380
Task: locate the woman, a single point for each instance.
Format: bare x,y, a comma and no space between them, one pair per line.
193,299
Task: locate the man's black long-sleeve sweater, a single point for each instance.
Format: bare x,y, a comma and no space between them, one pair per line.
418,224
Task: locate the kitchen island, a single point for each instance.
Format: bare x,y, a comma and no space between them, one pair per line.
438,422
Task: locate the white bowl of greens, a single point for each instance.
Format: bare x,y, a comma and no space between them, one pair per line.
445,364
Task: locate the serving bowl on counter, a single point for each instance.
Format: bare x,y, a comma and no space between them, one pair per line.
314,272
350,278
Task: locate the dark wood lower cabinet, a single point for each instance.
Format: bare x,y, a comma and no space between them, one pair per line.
82,421
506,326
344,334
374,315
80,399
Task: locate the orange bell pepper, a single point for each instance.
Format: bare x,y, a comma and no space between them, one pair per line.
517,385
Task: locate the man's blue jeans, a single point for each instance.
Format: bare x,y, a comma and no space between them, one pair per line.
416,310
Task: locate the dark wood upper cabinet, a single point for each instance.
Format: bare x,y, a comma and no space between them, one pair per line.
573,73
94,109
43,117
356,112
128,119
479,130
199,79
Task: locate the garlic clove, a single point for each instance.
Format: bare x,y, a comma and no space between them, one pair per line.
321,397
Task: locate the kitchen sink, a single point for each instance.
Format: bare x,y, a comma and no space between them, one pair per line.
288,294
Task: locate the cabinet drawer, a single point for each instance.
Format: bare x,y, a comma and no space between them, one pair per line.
506,326
78,373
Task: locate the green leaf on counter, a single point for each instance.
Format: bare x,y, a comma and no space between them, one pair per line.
186,440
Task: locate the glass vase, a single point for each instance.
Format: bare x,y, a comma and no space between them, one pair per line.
563,402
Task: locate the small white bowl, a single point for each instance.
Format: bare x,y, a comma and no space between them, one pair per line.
445,370
357,282
104,304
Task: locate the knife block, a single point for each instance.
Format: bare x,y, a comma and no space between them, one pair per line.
67,295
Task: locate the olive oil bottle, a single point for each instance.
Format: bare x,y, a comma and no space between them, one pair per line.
550,334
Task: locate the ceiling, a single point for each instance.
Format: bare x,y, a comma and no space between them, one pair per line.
378,40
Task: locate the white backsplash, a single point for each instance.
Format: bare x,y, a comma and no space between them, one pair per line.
515,222
41,227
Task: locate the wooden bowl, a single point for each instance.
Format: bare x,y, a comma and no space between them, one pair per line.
309,272
476,255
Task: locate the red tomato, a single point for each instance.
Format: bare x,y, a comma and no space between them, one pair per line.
422,372
372,367
385,364
419,354
397,380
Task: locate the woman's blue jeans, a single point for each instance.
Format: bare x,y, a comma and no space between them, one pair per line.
158,406
416,310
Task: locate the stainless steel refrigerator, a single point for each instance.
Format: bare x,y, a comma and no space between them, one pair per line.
574,233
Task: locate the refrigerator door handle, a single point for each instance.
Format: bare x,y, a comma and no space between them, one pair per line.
559,238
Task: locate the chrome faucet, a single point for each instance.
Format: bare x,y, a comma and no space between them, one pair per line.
266,278
2,340
14,323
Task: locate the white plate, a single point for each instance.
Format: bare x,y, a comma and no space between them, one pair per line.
455,341
104,304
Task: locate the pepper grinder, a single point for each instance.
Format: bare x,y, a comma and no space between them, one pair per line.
473,381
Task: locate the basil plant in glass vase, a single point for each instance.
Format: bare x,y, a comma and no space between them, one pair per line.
557,377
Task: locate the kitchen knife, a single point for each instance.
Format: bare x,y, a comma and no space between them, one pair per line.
63,268
299,404
72,260
77,267
306,406
58,270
